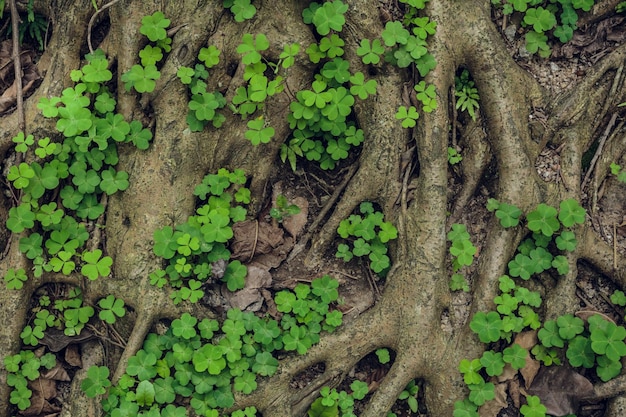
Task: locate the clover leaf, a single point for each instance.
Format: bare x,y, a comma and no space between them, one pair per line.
97,71
561,264
325,288
251,47
150,55
112,308
571,213
97,381
96,265
15,279
607,338
537,42
257,133
549,335
330,16
142,365
209,358
470,369
508,215
482,392
492,362
235,275
395,33
153,26
210,56
408,116
543,219
370,52
566,241
20,218
337,69
241,9
487,326
464,251
22,142
580,353
515,355
360,87
541,19
141,78
20,175
533,407
114,181
618,297
73,120
607,369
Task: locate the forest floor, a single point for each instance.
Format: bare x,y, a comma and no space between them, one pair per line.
312,188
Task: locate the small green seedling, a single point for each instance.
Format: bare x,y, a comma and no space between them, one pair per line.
283,209
466,93
409,394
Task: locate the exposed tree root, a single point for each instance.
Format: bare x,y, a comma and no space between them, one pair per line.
408,317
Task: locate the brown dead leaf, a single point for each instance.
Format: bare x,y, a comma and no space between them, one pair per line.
72,356
43,389
277,256
57,373
295,224
560,389
527,339
252,235
493,407
514,392
250,297
56,340
8,86
585,314
530,370
508,373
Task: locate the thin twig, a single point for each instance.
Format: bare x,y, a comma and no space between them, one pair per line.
605,135
93,19
614,245
17,65
256,240
299,247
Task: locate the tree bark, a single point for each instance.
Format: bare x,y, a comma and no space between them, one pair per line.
408,317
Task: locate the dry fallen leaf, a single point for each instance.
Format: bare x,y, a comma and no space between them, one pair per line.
252,235
295,224
560,388
493,407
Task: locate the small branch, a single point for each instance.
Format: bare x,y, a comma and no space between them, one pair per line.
93,19
299,247
605,135
17,65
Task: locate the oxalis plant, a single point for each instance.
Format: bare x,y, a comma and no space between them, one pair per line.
593,343
205,362
60,195
546,20
369,236
341,403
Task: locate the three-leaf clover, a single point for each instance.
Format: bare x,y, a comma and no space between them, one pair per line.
408,116
487,326
97,381
112,308
95,264
257,133
543,219
370,52
153,26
